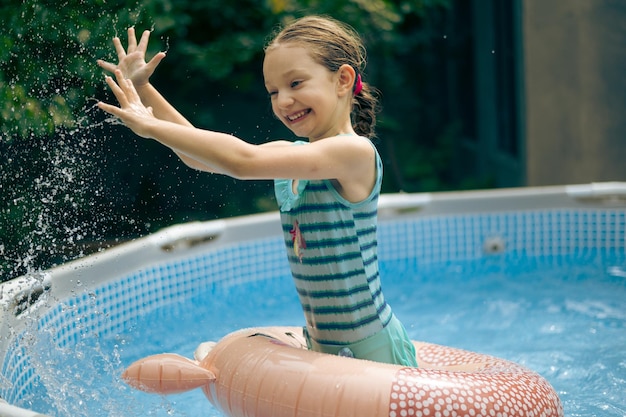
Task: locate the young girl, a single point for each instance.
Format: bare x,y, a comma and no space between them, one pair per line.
327,188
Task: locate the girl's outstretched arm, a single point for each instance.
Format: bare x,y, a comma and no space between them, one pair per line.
349,160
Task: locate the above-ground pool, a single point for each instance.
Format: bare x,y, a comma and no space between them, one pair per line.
534,275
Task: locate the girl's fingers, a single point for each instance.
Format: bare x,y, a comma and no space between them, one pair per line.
119,49
143,43
132,40
120,95
115,111
156,60
124,90
131,93
125,84
107,66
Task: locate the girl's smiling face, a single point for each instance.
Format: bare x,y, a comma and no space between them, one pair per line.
305,94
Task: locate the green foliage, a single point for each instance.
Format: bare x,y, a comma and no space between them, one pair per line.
37,90
70,182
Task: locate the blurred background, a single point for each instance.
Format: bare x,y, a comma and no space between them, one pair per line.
475,94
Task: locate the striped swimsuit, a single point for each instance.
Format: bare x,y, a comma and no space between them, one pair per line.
332,250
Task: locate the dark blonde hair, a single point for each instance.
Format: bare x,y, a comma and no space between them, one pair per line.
332,44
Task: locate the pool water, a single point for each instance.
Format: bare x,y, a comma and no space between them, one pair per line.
562,316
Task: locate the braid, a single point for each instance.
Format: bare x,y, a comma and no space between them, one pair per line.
364,110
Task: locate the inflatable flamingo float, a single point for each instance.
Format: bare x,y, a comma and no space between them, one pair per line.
268,372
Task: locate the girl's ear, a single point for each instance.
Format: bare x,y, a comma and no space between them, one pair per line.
345,81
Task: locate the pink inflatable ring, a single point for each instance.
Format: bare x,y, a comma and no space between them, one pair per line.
263,372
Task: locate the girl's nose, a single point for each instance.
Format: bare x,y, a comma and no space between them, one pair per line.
284,100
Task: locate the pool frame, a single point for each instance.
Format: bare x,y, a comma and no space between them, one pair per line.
431,227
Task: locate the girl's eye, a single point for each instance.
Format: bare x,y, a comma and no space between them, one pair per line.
294,84
272,93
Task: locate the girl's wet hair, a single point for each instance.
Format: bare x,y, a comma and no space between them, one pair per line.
333,44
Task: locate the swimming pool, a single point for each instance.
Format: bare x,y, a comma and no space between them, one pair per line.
535,275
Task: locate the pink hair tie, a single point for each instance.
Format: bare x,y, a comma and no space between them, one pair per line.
358,85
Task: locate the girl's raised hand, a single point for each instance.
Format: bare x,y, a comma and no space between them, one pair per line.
132,61
131,112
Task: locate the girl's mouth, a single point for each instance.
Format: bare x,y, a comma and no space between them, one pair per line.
297,116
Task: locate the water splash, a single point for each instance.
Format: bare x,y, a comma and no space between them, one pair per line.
53,140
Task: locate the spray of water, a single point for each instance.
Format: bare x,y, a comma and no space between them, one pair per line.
53,145
53,140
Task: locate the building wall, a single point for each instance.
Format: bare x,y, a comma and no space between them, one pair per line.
575,91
